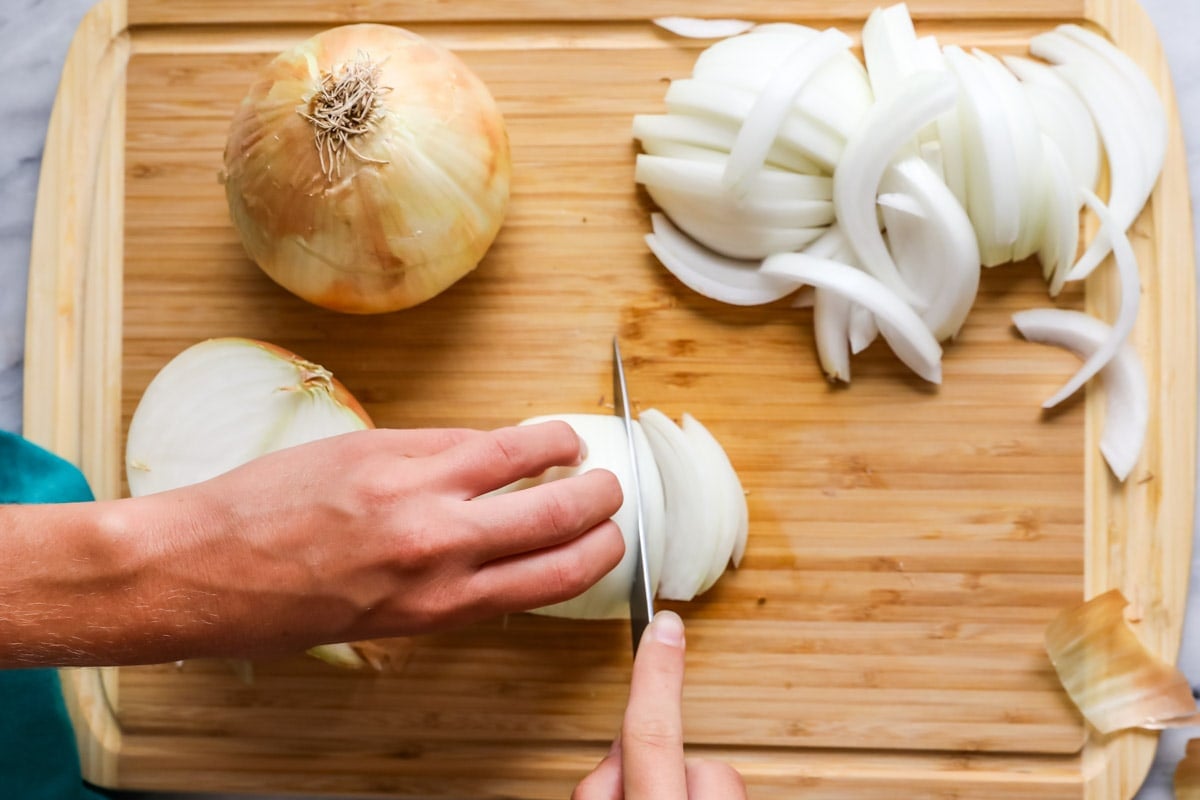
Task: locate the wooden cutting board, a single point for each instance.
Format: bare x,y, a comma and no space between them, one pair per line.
883,637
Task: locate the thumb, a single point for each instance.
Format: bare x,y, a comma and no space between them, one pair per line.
652,733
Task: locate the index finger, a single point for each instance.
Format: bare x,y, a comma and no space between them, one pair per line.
652,733
482,464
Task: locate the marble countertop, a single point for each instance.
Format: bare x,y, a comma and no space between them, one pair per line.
34,35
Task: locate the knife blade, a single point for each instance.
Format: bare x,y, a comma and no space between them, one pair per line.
641,593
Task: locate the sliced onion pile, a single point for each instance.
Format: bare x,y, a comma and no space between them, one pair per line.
693,507
782,163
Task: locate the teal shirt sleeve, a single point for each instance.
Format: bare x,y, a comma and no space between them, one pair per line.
38,756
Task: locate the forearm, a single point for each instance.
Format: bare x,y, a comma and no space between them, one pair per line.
83,584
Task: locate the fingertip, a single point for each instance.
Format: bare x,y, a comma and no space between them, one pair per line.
667,628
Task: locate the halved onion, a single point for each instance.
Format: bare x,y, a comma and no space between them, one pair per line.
607,448
1127,403
1114,681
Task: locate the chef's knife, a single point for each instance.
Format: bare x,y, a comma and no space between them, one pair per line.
641,599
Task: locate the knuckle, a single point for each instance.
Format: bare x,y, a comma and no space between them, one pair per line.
652,733
559,517
571,575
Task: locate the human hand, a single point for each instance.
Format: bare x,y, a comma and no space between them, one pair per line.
646,761
372,534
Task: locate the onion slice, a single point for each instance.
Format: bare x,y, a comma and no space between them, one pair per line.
888,42
739,283
703,180
1127,270
935,247
692,529
715,135
918,100
1114,681
772,106
695,28
1127,402
831,332
726,493
905,332
1060,238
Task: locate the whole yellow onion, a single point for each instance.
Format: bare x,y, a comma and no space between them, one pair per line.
367,169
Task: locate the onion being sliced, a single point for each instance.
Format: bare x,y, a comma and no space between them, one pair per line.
907,335
692,529
889,124
1114,681
1127,403
607,449
993,190
706,98
937,246
726,493
773,105
739,283
693,28
1127,271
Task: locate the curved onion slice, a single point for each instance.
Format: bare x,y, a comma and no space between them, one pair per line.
939,245
1112,678
889,124
694,28
726,485
907,335
607,449
1127,271
1027,145
831,332
773,105
693,530
714,135
1062,116
888,42
731,237
707,98
836,97
703,180
1127,403
863,329
1061,237
738,283
993,192
722,210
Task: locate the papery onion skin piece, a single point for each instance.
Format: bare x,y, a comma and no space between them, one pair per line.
1114,681
1187,773
1127,402
411,207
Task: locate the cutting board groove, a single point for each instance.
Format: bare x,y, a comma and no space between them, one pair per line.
908,544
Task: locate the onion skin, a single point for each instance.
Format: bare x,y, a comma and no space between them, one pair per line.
398,225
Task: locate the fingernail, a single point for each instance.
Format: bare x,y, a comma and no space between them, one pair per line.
667,628
583,451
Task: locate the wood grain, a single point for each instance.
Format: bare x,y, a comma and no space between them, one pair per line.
908,544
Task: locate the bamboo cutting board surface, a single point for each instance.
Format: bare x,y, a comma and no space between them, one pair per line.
883,637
